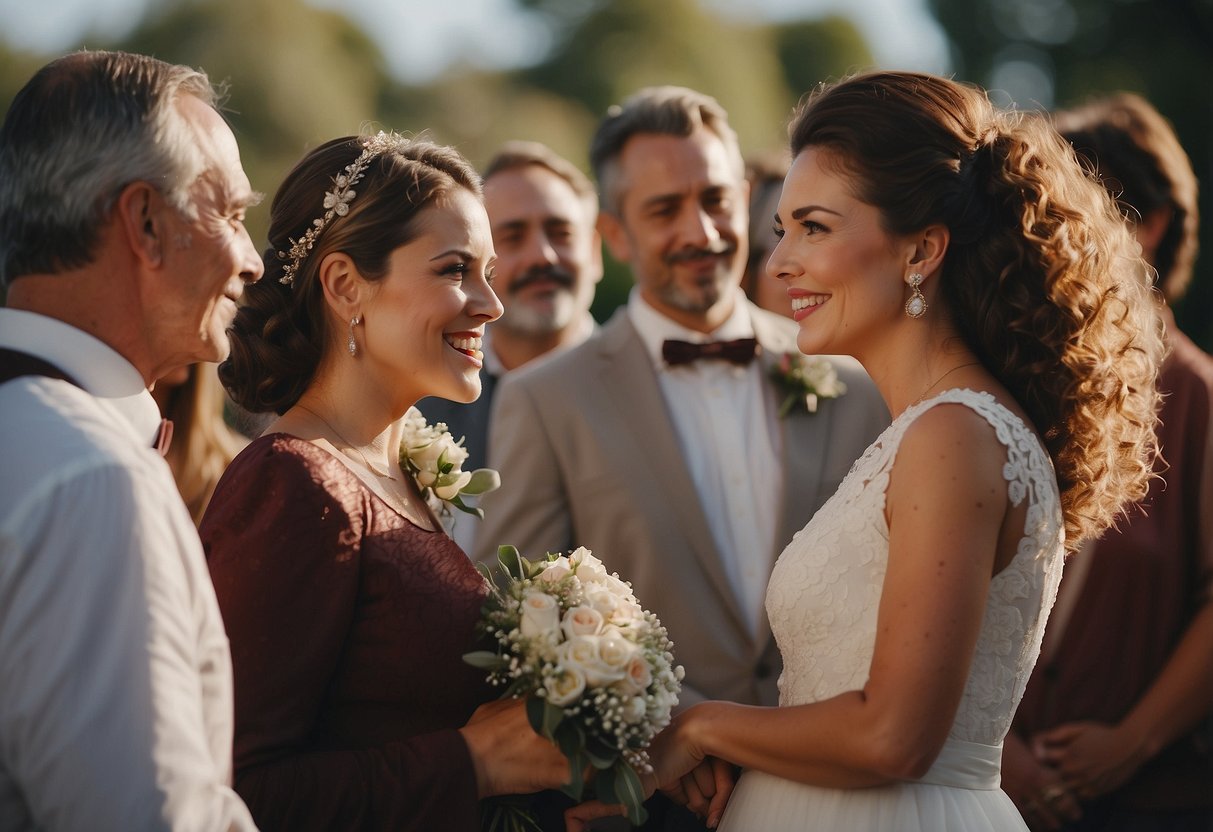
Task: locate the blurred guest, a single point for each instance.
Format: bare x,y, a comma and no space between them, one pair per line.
542,211
658,442
1109,735
348,608
765,173
203,445
123,248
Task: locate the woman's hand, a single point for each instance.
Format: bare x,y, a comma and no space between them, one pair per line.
1037,790
1092,758
509,757
682,772
705,790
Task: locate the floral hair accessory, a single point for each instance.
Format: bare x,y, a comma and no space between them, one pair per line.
336,203
805,380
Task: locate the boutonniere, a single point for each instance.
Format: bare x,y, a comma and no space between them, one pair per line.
805,380
434,459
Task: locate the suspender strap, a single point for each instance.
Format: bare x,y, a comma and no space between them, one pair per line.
15,364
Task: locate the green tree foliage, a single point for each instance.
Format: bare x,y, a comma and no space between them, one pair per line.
813,51
298,76
1161,49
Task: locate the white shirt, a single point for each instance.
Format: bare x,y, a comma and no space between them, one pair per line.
115,674
730,441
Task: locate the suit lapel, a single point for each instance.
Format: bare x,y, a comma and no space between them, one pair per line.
631,383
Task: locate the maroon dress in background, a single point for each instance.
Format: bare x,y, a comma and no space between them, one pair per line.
1146,582
347,624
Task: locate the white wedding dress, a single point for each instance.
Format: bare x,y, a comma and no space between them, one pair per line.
822,601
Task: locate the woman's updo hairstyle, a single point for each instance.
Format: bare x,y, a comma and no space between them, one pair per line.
281,331
1041,278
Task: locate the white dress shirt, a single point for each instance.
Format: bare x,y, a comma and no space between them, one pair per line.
730,441
115,675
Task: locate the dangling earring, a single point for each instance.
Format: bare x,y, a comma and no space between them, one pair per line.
916,306
351,344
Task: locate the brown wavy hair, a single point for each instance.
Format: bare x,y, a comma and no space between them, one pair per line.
281,332
1139,159
1042,277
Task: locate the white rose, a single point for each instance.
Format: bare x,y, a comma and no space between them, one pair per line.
581,653
619,587
603,600
425,456
426,478
581,621
555,570
616,651
638,674
452,489
589,568
565,688
626,612
540,615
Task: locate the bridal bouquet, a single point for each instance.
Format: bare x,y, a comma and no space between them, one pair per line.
435,459
596,670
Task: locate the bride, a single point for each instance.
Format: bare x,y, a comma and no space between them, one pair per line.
994,294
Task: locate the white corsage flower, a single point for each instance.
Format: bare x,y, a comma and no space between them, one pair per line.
435,459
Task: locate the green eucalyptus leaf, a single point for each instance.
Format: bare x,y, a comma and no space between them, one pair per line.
629,792
485,660
576,785
483,481
510,561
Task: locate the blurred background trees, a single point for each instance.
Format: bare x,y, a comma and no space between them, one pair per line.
299,75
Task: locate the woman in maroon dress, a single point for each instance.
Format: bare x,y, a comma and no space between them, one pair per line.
347,606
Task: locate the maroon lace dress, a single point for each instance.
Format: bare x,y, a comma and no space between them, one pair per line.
348,624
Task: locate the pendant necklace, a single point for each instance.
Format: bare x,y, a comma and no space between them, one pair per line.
931,386
350,446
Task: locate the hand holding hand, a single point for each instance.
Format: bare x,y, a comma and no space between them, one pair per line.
1036,789
509,757
1092,758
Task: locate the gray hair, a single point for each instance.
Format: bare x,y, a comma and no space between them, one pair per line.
82,129
668,110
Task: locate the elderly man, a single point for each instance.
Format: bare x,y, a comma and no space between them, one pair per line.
123,250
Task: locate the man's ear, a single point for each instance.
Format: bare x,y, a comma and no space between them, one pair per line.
615,236
596,268
140,213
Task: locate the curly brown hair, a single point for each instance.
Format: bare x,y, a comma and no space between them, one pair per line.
1042,278
280,333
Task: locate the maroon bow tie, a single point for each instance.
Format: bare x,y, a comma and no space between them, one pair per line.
164,436
740,351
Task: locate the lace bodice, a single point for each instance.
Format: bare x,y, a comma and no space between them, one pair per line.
825,587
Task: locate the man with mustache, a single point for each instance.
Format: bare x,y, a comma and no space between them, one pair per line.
664,456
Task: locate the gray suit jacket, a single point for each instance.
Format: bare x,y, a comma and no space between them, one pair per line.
588,457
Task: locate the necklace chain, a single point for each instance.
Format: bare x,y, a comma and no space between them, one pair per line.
931,386
349,445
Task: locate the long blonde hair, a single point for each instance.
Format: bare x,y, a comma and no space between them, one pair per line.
203,445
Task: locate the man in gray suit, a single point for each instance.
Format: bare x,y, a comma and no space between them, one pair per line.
678,473
542,211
